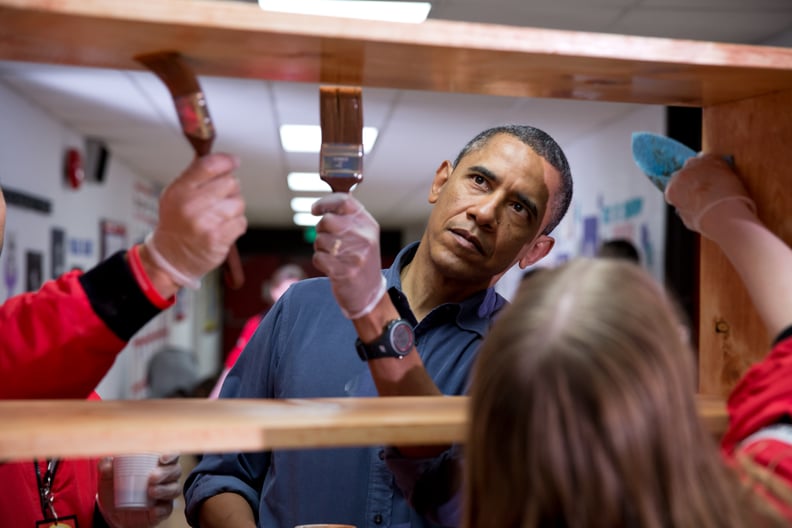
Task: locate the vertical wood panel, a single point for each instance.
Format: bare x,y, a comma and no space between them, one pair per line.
758,132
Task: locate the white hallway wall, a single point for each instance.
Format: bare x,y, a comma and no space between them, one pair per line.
32,145
611,195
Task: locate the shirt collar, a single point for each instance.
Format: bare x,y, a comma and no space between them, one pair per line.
474,313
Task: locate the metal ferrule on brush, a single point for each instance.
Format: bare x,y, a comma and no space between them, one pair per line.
341,160
194,115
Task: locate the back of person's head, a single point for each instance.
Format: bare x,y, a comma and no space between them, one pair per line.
583,411
619,248
172,373
546,147
281,279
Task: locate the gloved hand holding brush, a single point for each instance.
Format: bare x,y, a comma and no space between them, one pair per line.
201,214
347,250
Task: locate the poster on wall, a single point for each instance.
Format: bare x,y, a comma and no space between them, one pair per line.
34,276
113,237
57,252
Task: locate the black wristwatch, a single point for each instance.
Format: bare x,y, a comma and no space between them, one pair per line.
396,341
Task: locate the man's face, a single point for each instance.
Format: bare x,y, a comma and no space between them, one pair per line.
490,210
2,219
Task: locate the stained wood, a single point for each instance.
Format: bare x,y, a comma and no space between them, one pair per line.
237,39
758,132
81,428
93,428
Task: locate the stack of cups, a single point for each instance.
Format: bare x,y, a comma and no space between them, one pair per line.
130,479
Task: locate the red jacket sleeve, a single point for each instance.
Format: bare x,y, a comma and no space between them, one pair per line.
54,345
762,397
244,336
60,341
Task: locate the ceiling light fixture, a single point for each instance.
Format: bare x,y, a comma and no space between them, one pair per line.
306,219
410,12
308,138
302,204
306,182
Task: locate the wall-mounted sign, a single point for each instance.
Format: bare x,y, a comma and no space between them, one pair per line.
25,200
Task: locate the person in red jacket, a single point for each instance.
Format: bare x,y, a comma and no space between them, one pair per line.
60,341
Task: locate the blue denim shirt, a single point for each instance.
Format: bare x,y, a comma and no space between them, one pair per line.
305,348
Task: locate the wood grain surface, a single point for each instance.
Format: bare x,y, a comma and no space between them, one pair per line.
758,133
69,428
239,40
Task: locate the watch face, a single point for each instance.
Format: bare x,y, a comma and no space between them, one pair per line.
402,337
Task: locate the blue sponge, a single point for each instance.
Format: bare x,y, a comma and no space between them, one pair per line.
659,156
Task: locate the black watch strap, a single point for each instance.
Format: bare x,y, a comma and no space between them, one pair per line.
396,341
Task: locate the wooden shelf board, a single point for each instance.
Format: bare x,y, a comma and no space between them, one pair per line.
76,428
70,428
234,39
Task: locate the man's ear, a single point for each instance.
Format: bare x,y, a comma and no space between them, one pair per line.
442,174
536,250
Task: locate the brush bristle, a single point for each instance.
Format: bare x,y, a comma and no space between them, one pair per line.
341,114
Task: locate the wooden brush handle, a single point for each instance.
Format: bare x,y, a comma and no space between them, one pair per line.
233,273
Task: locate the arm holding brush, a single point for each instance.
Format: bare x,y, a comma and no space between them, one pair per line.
347,250
87,318
61,340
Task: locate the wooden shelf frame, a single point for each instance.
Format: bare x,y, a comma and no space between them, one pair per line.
745,92
234,39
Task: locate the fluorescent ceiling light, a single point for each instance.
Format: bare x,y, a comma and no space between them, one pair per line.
309,182
302,204
308,138
306,182
306,219
411,12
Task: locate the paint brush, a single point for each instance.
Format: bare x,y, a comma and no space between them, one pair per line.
341,120
193,113
187,95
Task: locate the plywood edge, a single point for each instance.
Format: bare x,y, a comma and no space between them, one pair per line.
239,40
68,428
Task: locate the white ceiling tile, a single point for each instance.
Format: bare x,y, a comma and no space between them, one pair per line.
747,27
743,5
568,17
530,4
80,95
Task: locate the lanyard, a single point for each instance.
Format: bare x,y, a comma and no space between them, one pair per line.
45,487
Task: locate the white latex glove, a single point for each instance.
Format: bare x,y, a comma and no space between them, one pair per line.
201,214
704,183
347,250
163,488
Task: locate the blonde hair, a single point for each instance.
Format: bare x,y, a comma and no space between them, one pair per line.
583,412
